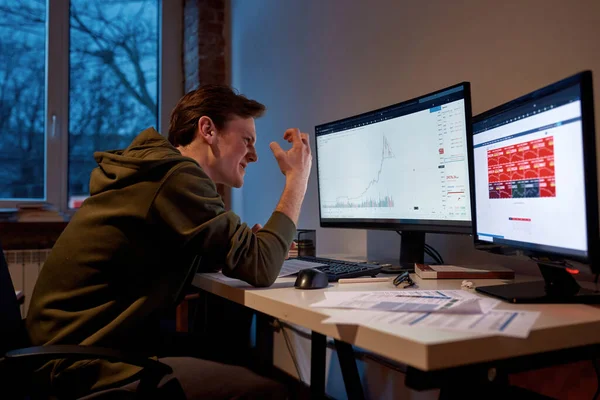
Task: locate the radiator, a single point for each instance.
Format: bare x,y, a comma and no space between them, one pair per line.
24,267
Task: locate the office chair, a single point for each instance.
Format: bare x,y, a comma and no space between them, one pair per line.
17,360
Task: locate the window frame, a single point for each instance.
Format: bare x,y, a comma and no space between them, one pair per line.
56,104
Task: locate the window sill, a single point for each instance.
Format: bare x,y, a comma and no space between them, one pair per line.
30,235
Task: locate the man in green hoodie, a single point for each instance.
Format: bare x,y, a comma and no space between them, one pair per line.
133,246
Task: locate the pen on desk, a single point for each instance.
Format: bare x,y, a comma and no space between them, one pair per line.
363,280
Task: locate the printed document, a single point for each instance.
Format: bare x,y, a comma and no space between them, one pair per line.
394,301
292,266
500,322
448,294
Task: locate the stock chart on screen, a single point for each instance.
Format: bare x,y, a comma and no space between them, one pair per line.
412,166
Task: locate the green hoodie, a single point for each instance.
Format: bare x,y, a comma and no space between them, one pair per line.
127,254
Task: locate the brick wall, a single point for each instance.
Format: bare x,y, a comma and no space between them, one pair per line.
204,50
204,42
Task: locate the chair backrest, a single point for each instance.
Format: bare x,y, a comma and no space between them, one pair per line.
194,266
12,331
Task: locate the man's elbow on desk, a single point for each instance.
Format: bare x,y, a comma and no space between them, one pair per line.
265,275
263,282
258,281
257,275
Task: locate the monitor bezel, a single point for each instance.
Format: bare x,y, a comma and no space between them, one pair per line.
584,81
433,226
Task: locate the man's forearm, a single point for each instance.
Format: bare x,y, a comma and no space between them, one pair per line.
291,198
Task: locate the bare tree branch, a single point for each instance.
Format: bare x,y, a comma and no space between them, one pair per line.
107,55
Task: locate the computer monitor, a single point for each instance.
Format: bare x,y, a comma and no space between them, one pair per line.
534,188
403,167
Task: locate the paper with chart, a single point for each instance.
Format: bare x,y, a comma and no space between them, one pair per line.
499,322
292,266
442,294
393,301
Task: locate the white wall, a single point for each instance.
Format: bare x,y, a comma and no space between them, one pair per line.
316,61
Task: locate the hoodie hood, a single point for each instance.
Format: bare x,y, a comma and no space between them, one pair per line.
149,153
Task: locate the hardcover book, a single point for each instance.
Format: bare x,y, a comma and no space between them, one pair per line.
486,271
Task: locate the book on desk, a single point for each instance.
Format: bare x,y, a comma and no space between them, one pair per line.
487,271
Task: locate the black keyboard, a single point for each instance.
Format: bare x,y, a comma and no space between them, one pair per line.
336,269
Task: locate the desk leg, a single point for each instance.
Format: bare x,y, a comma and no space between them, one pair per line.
264,343
354,388
318,345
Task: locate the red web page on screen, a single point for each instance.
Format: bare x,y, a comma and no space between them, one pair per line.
529,180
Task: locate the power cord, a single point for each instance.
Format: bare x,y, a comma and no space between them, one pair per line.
438,257
432,255
280,326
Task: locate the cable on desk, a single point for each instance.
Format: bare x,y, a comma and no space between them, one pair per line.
434,254
359,354
278,325
439,257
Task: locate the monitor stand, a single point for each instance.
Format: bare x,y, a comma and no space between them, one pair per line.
412,250
558,286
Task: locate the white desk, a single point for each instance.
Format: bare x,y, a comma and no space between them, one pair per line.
559,326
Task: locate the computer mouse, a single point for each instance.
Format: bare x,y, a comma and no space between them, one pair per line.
311,278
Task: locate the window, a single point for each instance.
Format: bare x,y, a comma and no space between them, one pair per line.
22,88
75,77
113,88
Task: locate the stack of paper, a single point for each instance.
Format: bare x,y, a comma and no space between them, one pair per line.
456,310
392,301
291,267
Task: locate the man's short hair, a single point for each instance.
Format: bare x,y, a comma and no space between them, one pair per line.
218,102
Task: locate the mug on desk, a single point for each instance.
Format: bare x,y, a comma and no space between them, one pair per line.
304,245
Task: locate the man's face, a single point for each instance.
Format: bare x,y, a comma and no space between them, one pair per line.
234,150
